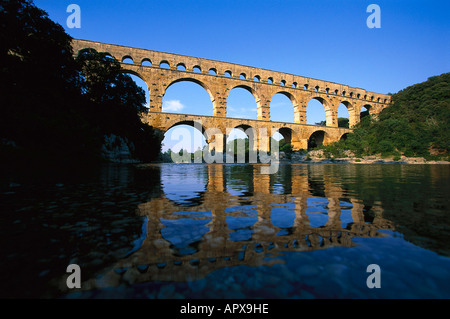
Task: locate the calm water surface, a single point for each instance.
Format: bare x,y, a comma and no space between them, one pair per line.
227,231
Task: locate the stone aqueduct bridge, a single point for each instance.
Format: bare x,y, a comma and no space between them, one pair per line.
219,78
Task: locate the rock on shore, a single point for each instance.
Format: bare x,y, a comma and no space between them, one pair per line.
319,157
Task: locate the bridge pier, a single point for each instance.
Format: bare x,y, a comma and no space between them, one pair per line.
300,90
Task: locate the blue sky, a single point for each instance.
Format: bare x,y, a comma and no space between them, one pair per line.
322,39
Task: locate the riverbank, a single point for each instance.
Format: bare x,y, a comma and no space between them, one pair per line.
319,157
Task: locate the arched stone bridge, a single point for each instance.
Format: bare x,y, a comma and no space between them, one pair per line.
160,70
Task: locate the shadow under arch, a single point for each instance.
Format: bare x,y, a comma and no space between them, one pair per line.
197,125
247,148
317,138
344,136
287,133
368,110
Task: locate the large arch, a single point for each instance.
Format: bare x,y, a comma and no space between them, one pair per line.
235,100
193,136
287,135
316,119
174,107
317,138
282,110
139,80
242,135
343,114
365,110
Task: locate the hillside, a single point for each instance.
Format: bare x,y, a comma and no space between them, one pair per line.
416,124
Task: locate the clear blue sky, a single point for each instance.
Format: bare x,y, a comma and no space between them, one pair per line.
323,39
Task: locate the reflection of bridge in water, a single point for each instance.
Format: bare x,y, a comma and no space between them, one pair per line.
225,229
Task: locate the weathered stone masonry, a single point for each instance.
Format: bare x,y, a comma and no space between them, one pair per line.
219,78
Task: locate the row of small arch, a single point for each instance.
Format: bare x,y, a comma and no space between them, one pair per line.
228,73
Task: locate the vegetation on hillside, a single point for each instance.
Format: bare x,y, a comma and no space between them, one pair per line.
416,124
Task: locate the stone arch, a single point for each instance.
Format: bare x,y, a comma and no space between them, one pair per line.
194,80
125,57
353,116
293,99
252,135
196,131
107,55
368,107
317,138
181,67
129,71
142,78
197,69
197,125
251,90
162,64
287,134
329,112
144,60
344,136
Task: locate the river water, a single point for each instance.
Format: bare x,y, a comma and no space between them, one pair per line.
228,231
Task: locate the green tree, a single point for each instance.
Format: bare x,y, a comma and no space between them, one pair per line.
39,88
118,102
416,124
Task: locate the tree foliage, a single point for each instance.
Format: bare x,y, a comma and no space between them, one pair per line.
416,124
56,108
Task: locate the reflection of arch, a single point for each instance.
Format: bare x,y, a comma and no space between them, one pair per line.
317,138
193,190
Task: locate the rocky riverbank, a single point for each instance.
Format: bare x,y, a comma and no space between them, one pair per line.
319,157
